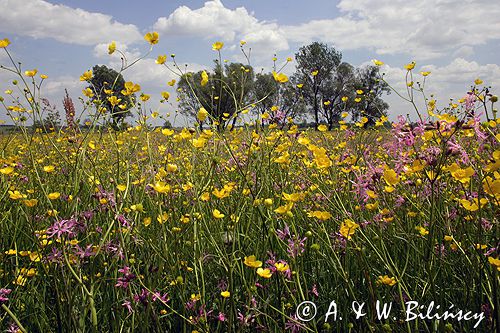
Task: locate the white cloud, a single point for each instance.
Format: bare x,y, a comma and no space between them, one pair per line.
451,81
214,20
41,19
425,29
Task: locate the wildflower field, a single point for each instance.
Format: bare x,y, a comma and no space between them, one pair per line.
147,229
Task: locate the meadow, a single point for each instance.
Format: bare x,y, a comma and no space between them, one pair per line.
199,230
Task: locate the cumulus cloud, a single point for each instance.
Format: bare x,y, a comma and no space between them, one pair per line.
214,20
450,81
425,29
41,19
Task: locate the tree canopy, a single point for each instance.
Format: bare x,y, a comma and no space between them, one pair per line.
110,93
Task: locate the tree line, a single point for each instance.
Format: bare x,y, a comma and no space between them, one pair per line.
322,88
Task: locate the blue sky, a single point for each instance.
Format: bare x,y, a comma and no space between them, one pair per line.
457,40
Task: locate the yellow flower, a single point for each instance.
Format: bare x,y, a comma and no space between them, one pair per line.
478,81
4,43
165,95
161,187
88,92
145,97
494,262
463,175
146,221
161,59
377,62
43,76
171,83
251,261
112,47
281,78
225,294
344,99
137,208
314,73
7,170
86,76
152,37
348,228
300,85
391,177
217,46
322,128
130,88
422,230
474,205
202,114
388,281
15,195
425,73
217,214
31,202
410,66
281,267
359,92
121,188
49,168
31,73
114,100
264,272
53,195
204,78
320,215
268,202
167,132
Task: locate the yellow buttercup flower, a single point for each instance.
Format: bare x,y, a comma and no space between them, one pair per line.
204,78
410,66
31,73
4,43
225,294
54,195
322,128
281,78
348,228
161,59
281,267
217,46
152,37
217,214
112,47
202,114
7,170
165,95
388,281
377,62
264,272
86,76
251,261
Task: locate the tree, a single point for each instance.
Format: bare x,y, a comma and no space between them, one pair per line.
341,84
52,120
280,100
370,89
107,82
316,63
224,96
